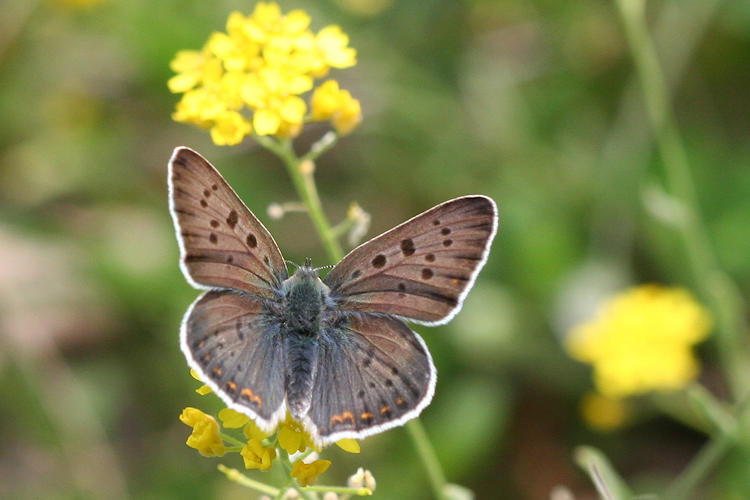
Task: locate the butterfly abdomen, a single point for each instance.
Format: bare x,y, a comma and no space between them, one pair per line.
300,355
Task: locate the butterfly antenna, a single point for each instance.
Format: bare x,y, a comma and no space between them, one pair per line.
292,263
329,266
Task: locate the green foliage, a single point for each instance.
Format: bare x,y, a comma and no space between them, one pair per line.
535,104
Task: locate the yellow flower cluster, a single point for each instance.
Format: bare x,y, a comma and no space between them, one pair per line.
207,439
205,436
641,340
250,78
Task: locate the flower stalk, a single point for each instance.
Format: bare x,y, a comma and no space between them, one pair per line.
304,184
719,291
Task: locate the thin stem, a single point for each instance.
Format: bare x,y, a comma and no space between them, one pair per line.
701,465
714,285
304,182
360,492
231,439
427,454
240,478
342,227
321,146
606,479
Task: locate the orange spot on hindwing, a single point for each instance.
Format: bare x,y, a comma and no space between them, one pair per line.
252,397
342,417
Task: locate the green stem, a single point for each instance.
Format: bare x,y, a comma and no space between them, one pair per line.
713,284
701,465
606,479
231,439
360,492
427,454
304,183
240,478
321,146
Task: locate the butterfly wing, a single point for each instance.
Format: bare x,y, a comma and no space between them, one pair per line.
373,373
233,343
422,269
222,244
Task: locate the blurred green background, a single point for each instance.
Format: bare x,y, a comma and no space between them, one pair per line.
531,102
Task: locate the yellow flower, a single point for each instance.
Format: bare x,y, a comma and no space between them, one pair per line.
641,340
603,413
325,100
307,474
229,128
256,456
348,445
256,73
292,437
202,390
251,430
329,102
349,114
232,419
205,436
332,43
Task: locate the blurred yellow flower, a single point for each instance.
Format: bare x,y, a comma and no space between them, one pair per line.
229,128
348,445
256,456
641,340
329,102
603,413
205,436
249,79
202,390
307,474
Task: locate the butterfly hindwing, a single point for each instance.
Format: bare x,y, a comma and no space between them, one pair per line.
222,244
228,339
422,269
373,373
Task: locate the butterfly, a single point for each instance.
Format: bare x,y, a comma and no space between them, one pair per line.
335,353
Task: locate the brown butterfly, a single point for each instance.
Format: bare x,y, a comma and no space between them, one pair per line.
334,353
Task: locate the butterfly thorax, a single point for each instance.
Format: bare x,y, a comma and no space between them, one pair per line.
305,296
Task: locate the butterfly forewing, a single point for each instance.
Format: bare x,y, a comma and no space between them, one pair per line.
422,269
373,373
228,339
222,244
